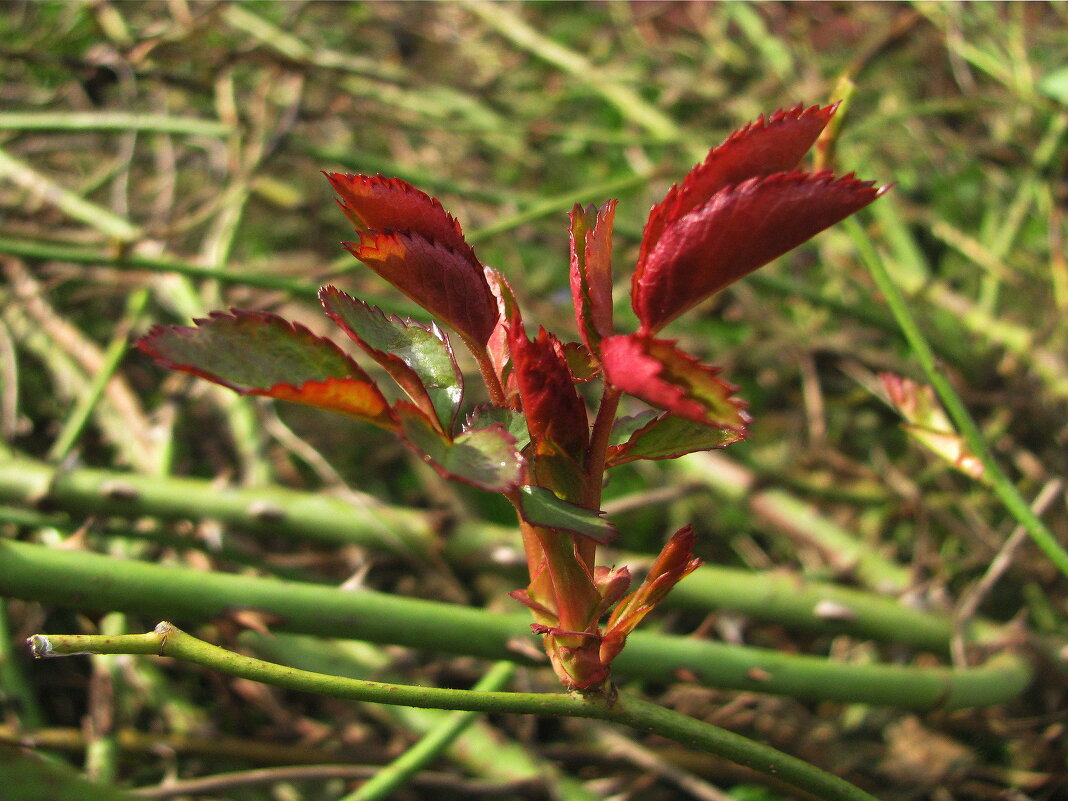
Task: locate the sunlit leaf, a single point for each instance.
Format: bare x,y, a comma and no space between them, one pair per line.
663,376
556,415
444,281
591,270
257,353
418,358
540,507
666,436
929,425
375,203
509,419
739,229
486,458
764,147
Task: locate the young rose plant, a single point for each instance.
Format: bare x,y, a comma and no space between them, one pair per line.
534,442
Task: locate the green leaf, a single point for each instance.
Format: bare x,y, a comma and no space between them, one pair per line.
664,437
257,353
484,457
419,359
27,777
509,419
540,507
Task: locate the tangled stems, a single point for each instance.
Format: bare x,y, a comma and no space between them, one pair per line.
167,640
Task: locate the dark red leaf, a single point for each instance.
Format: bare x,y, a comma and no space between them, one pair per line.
776,144
556,415
375,203
591,270
739,229
444,281
662,375
499,345
256,353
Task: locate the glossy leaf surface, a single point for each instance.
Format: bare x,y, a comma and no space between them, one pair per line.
775,144
418,358
666,436
485,458
556,415
374,203
540,507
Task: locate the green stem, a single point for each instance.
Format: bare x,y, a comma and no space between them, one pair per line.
113,355
777,596
999,481
16,690
46,251
117,121
166,640
402,769
68,202
92,582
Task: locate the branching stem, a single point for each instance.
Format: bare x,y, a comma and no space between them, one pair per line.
167,640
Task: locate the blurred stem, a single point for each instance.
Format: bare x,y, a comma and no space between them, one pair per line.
1003,487
166,640
13,685
113,355
437,740
778,596
630,104
91,582
47,251
71,204
553,205
482,750
785,512
117,121
102,747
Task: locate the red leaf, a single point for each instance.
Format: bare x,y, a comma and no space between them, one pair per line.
761,148
446,282
390,204
739,229
662,375
675,562
353,397
499,345
591,270
256,353
556,415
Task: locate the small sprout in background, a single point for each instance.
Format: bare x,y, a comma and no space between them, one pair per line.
927,423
